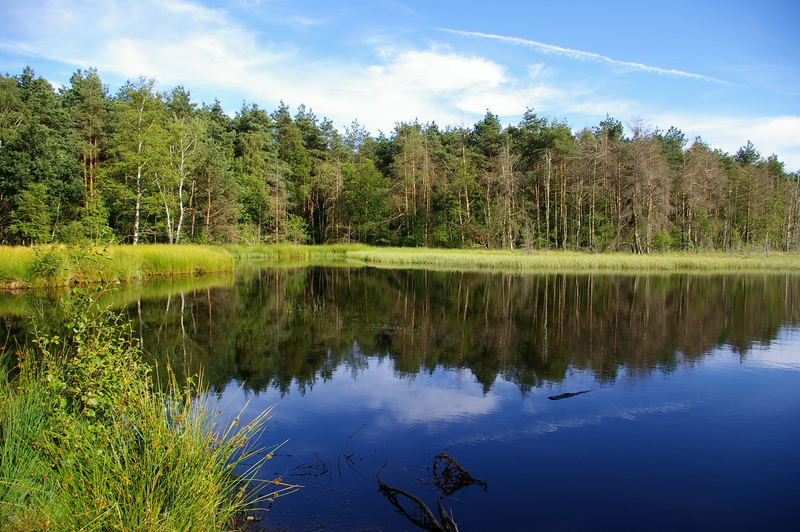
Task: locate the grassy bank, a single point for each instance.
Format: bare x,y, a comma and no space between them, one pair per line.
566,260
523,260
59,265
87,442
22,267
287,252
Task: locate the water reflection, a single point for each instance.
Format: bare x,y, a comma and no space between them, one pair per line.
395,366
275,327
278,327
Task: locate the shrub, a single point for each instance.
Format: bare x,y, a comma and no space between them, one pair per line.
49,263
88,443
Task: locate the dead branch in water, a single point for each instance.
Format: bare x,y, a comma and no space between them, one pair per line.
448,477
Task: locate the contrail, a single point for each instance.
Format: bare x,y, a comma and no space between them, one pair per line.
585,56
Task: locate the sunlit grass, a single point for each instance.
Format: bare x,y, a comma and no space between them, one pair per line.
294,251
15,263
61,265
567,260
531,260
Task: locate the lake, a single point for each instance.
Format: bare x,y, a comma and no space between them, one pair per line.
583,402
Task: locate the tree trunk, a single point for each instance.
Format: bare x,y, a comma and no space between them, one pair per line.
138,202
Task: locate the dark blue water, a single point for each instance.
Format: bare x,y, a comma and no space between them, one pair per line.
713,446
690,420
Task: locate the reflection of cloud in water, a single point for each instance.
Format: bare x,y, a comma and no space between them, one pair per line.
546,427
783,353
427,400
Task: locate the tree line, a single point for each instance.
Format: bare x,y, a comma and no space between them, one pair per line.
82,165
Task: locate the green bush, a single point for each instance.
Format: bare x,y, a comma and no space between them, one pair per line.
662,240
295,230
49,263
88,443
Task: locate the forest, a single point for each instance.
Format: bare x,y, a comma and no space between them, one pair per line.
81,165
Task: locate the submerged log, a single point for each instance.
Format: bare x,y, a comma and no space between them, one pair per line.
567,395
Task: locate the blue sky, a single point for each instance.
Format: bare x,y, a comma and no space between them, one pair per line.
727,71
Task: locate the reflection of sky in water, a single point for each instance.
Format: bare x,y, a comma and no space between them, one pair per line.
782,353
678,445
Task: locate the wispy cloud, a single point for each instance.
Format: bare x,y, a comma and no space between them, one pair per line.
541,428
216,52
585,56
211,49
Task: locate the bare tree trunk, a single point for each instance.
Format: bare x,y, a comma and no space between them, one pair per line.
138,202
547,199
208,203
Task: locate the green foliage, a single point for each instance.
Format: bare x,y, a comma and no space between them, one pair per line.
88,443
104,370
49,263
31,218
36,149
295,230
82,166
662,240
91,229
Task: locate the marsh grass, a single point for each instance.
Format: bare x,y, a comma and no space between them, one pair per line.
58,265
288,252
523,260
88,442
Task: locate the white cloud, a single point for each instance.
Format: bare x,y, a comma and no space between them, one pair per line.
439,72
769,134
305,22
208,49
585,56
175,41
182,42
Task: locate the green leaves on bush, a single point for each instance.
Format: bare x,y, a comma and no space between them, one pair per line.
88,443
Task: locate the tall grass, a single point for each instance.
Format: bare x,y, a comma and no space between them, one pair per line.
55,265
295,251
59,265
15,263
528,260
87,442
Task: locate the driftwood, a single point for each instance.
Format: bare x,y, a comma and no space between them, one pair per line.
448,477
420,514
567,395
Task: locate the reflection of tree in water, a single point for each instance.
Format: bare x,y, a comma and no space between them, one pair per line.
283,326
278,327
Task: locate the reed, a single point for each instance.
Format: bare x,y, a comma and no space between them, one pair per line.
296,252
524,260
55,265
58,265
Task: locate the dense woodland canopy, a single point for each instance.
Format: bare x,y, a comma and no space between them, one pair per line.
81,165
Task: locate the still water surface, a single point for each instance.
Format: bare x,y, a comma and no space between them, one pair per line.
691,418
